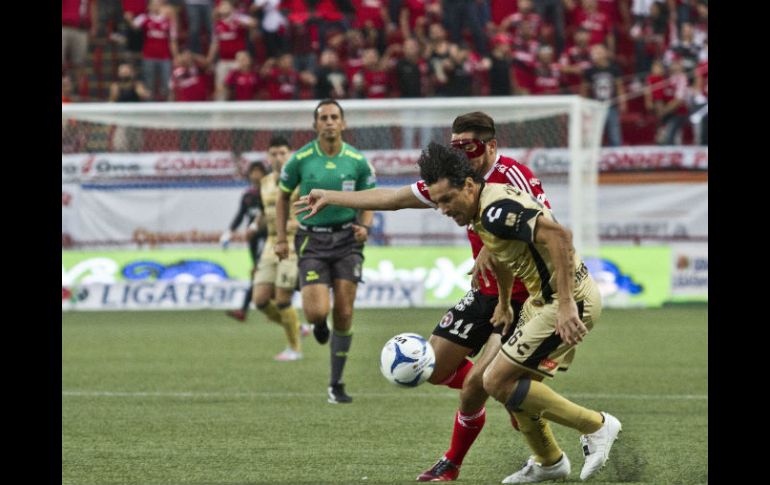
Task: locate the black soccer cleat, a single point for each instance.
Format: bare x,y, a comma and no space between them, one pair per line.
337,394
321,333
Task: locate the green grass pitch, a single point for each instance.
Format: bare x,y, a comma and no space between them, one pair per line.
195,398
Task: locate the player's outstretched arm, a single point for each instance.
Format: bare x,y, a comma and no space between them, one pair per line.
558,240
371,199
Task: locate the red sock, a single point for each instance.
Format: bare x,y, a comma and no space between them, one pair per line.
467,427
456,379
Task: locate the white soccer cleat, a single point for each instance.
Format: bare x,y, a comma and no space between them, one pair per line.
534,472
305,329
596,446
288,355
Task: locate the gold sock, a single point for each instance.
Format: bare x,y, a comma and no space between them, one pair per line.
290,324
271,311
539,436
544,401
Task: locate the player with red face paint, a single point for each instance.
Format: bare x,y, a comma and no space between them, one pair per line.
465,328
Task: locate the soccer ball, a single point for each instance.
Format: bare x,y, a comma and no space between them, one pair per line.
407,360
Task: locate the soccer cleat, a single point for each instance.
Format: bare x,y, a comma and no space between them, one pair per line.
288,355
305,329
337,394
239,315
443,471
533,472
321,333
596,446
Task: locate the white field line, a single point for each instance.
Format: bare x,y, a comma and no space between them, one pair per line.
400,394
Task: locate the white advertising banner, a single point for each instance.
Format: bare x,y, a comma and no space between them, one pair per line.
83,167
689,270
184,214
150,215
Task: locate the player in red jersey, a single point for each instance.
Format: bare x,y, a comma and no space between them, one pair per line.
464,328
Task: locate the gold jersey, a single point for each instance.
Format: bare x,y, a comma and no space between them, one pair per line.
270,191
506,224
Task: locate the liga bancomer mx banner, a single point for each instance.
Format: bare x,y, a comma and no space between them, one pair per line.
628,276
85,167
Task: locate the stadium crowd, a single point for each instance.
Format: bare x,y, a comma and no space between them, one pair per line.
648,58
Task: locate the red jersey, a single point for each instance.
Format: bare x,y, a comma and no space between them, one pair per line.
676,87
76,13
547,79
369,11
158,32
189,84
375,83
504,171
283,85
244,85
596,23
231,34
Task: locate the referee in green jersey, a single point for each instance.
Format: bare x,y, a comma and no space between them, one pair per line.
330,247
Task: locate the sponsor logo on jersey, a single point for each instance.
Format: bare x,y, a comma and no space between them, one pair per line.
446,320
330,165
549,364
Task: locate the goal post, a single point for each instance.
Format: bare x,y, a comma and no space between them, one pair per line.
567,130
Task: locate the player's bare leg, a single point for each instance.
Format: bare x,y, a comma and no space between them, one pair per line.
315,306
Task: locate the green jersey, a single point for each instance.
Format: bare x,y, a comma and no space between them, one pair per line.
310,168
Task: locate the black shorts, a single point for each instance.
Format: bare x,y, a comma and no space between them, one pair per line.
467,323
325,257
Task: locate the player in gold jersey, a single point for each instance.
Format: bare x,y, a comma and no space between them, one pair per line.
564,304
274,280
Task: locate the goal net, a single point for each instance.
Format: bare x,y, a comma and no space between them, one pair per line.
112,146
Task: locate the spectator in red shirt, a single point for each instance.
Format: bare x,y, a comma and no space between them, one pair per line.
527,14
281,79
230,31
524,49
188,80
160,45
372,17
76,26
575,60
372,81
548,78
242,82
597,23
